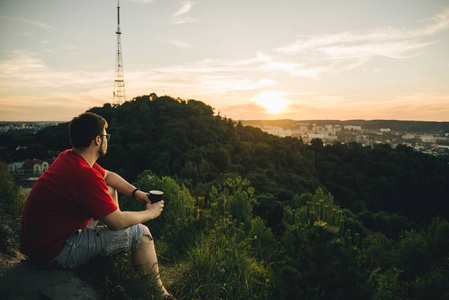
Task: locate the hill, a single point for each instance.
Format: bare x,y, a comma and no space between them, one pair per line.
185,139
291,220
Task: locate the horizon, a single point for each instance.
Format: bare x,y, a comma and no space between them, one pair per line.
264,60
247,120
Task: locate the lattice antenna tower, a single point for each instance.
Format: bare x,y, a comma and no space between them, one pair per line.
119,81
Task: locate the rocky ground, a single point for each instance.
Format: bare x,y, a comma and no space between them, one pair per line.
18,280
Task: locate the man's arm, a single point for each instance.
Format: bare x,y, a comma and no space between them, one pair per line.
119,220
124,187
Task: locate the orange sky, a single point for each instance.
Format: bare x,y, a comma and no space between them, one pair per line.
248,59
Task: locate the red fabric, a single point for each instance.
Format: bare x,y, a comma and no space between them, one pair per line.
63,200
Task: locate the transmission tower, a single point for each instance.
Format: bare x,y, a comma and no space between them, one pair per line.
119,82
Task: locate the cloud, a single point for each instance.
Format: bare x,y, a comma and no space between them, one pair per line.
378,37
205,78
347,50
39,24
179,44
177,17
25,70
438,23
270,64
141,1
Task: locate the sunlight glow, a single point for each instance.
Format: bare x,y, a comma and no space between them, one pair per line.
272,101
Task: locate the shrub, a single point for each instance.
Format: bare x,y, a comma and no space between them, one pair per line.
118,279
320,258
11,202
175,227
12,199
221,266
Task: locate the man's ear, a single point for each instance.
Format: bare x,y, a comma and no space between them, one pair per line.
97,140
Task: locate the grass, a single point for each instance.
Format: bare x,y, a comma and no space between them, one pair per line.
221,266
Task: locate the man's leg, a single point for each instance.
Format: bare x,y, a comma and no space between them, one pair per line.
144,258
114,194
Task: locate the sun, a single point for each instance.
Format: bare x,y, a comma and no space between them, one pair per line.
272,101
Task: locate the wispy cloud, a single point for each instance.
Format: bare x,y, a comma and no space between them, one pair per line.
270,64
372,41
347,50
178,18
25,69
141,1
205,77
179,44
22,20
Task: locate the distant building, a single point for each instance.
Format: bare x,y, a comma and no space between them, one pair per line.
13,167
30,166
322,136
352,127
385,130
279,131
428,139
408,136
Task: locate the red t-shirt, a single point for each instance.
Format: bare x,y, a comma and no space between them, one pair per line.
62,200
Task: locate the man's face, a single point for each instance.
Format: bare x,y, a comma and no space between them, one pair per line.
103,145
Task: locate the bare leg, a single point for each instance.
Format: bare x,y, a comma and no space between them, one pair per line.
144,258
114,194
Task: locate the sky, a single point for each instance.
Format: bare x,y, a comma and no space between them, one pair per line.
248,59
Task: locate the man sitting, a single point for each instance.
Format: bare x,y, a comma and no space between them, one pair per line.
74,190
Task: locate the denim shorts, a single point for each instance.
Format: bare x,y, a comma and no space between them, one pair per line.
91,242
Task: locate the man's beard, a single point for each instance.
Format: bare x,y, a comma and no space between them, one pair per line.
101,151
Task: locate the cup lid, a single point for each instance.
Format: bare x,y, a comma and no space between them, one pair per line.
156,192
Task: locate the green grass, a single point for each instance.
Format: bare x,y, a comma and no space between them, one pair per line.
222,266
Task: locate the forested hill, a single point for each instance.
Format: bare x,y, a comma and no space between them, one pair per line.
185,140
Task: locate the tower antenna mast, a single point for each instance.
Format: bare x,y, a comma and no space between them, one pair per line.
119,82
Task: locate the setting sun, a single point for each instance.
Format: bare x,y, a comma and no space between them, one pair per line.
272,101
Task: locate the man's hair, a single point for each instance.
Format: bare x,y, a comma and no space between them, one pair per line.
84,128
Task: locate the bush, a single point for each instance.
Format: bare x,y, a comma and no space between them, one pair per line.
388,285
221,266
11,202
321,259
12,199
433,284
177,225
118,279
8,240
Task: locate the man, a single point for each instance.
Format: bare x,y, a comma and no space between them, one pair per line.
74,190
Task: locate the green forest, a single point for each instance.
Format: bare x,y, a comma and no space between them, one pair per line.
250,215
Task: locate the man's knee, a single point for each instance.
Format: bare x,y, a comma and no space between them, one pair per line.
146,237
114,194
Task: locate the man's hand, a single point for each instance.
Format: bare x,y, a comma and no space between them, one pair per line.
119,220
156,208
142,197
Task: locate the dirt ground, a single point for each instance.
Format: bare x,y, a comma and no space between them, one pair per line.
18,280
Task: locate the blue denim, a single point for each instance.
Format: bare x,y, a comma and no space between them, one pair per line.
91,242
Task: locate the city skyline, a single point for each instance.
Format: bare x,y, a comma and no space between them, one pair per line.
248,59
